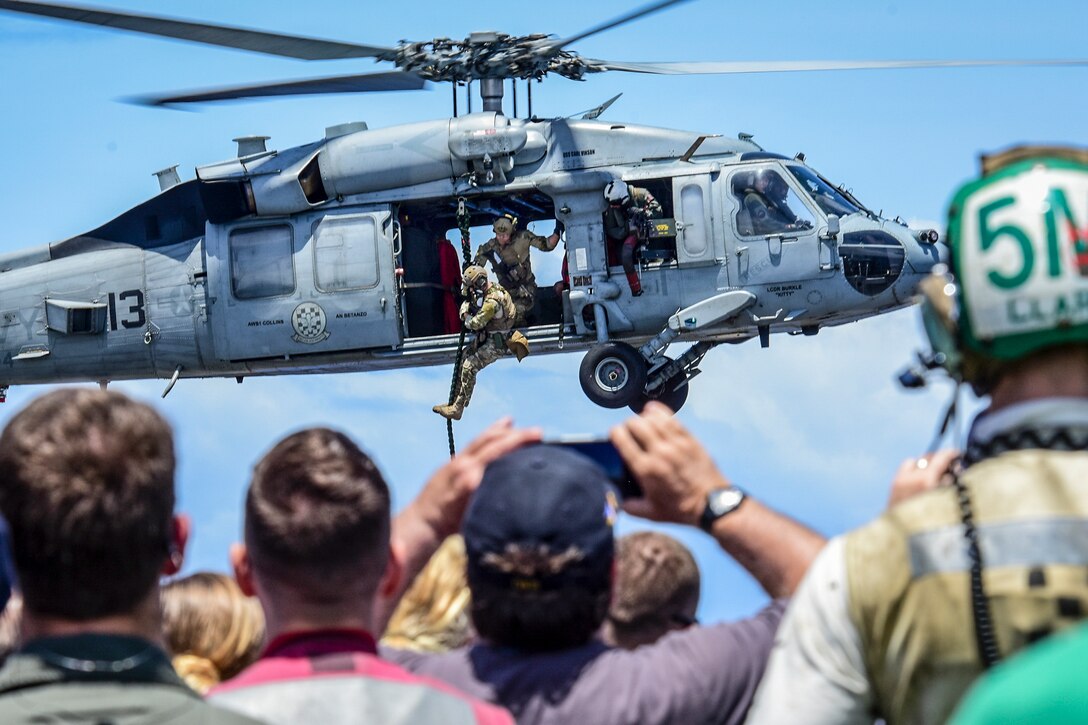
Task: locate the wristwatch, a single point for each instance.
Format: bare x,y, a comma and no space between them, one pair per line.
719,502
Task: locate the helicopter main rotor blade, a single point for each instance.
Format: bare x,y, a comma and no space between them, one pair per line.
633,15
290,46
788,66
365,83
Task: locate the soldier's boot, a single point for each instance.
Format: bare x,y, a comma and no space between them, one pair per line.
635,283
451,411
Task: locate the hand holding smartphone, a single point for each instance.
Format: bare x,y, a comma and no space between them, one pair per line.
603,453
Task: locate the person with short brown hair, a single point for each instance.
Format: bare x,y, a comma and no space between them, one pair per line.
318,554
87,487
656,590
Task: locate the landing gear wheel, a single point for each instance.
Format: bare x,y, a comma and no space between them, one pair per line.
674,393
613,374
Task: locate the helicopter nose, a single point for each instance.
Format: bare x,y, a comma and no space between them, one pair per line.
924,256
921,258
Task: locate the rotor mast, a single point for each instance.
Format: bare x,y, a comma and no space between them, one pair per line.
491,93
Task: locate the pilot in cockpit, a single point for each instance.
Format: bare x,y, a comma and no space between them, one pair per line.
764,200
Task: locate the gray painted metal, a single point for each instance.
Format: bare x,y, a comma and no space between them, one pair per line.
333,301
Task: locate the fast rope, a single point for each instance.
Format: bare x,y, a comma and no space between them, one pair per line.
464,223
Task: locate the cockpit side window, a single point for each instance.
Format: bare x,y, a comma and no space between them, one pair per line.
767,204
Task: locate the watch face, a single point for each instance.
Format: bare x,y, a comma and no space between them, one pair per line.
724,500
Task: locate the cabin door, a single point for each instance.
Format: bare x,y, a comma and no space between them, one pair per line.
309,284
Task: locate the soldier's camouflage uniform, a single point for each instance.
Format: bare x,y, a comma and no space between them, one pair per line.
517,278
491,325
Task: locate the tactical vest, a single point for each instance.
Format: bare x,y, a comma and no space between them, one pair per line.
506,312
908,577
514,257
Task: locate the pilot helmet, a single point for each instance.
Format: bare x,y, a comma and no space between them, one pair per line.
474,277
616,192
504,224
772,179
1018,275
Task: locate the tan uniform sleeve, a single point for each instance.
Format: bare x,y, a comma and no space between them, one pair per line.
481,254
487,311
538,241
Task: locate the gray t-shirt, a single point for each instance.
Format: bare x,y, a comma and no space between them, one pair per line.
697,675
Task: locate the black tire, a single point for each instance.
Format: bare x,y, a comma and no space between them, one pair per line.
613,374
674,393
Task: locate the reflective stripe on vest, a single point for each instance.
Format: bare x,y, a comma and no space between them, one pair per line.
1009,543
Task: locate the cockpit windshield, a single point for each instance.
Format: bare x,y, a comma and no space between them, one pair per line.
829,199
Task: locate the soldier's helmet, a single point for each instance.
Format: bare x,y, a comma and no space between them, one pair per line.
474,276
504,225
1018,275
616,192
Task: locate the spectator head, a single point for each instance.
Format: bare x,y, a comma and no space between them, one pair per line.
538,534
316,523
87,488
432,616
656,592
212,630
1015,288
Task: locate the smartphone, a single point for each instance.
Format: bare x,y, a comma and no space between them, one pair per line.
604,454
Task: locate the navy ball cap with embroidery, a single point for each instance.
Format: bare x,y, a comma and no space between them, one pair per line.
541,520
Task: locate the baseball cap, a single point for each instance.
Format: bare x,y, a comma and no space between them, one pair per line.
541,520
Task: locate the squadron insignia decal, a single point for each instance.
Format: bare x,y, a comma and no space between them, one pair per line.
308,321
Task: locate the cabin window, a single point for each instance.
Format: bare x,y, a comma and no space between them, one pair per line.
695,231
346,253
261,262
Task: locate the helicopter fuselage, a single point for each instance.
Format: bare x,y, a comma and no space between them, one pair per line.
324,257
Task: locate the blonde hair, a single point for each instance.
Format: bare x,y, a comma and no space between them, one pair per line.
433,614
211,628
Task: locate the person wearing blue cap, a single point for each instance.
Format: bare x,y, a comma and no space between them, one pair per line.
539,538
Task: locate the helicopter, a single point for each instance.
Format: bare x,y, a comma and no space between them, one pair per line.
321,258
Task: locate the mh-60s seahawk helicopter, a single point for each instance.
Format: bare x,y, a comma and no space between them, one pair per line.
323,257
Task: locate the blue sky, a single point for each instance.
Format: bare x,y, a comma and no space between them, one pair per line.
813,426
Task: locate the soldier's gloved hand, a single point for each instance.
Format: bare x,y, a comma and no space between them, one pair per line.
560,227
466,308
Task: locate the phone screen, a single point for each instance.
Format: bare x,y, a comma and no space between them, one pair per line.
604,454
